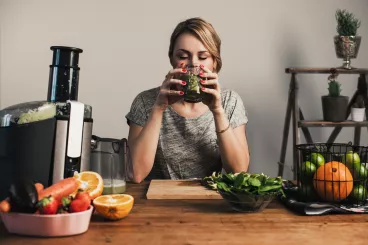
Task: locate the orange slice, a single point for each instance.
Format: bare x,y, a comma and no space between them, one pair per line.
114,207
91,182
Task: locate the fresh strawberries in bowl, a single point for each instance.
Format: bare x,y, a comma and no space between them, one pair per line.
58,210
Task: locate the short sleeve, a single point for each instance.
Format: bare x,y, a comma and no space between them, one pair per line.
234,108
137,113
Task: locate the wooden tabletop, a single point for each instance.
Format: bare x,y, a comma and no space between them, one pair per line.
209,222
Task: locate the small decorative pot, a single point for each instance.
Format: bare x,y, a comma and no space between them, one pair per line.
357,114
334,108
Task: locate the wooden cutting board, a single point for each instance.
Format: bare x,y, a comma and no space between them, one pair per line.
180,189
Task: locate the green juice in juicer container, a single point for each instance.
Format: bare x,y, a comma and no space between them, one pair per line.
114,186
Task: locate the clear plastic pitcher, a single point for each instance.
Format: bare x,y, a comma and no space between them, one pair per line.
109,158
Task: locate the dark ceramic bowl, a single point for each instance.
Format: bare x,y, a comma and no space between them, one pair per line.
247,203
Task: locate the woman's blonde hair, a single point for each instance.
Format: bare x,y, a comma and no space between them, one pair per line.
205,32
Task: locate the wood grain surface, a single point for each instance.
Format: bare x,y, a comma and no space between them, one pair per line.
185,222
180,189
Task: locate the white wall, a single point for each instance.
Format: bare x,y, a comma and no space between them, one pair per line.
125,47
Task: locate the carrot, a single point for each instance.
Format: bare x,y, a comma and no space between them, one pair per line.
5,206
60,189
39,187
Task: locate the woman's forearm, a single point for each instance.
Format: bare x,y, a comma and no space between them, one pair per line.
143,148
234,154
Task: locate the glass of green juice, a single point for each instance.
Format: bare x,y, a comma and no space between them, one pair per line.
193,89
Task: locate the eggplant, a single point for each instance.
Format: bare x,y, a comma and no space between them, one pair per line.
23,196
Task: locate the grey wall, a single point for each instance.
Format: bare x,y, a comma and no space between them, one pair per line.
125,47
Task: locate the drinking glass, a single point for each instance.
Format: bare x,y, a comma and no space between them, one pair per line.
193,89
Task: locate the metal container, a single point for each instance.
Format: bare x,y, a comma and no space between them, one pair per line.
346,48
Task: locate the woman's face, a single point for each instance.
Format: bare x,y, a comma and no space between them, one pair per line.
188,50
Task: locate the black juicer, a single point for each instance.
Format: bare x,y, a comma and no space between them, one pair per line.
47,141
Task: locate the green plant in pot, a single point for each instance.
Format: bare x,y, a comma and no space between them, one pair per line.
358,109
347,42
334,105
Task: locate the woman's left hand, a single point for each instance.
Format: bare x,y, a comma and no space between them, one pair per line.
212,88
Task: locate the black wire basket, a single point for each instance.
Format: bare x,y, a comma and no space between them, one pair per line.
332,173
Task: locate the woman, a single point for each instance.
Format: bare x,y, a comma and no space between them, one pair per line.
173,139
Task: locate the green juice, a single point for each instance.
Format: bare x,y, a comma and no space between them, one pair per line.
114,187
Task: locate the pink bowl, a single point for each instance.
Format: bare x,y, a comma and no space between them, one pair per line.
47,225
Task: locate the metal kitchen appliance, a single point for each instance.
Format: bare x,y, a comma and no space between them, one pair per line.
47,141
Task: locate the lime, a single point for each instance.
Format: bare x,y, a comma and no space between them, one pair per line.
317,159
350,159
307,171
307,192
359,193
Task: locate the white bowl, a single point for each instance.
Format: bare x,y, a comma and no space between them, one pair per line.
47,225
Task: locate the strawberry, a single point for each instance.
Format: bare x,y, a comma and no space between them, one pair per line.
78,205
47,205
83,195
65,202
81,202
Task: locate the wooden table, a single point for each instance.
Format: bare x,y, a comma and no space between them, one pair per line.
209,222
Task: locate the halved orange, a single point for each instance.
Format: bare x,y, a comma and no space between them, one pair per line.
91,182
115,206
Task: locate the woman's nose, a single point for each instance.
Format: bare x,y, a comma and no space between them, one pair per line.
194,62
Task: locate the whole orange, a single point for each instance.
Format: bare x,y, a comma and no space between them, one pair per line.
333,181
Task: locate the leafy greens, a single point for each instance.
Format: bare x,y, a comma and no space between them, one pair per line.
246,183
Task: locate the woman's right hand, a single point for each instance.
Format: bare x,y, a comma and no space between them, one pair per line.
170,89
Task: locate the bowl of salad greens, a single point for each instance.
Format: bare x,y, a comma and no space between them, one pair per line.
245,192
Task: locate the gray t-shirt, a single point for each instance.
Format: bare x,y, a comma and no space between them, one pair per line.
187,147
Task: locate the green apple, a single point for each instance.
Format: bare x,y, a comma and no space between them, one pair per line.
317,159
351,158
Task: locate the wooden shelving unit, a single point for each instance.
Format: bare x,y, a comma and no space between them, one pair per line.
303,123
295,115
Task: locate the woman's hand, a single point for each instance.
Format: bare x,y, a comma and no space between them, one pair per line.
212,88
170,89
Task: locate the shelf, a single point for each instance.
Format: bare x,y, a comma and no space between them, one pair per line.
321,123
325,70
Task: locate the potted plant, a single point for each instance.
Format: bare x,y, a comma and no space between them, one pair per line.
334,105
358,109
347,42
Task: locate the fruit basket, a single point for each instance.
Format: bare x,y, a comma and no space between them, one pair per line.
332,173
